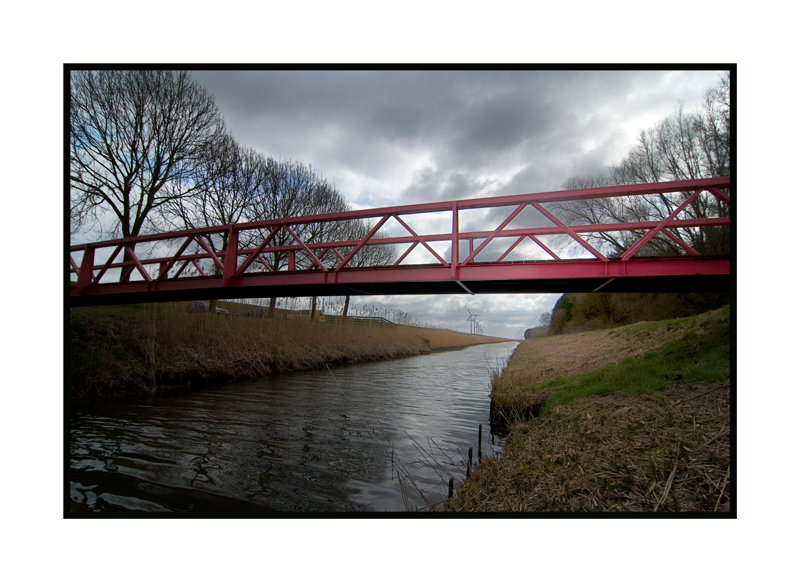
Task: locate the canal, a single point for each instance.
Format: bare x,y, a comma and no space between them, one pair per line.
374,437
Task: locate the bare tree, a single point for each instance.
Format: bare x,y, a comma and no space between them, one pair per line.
326,199
367,255
289,189
231,179
716,129
295,189
135,139
681,147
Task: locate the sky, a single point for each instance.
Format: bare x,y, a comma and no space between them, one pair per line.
393,137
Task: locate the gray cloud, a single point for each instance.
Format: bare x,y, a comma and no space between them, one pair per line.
431,185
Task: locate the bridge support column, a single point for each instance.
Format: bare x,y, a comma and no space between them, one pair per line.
87,270
231,258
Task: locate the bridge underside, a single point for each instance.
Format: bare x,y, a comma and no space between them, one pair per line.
636,275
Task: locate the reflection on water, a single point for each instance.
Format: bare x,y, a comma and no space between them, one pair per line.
370,437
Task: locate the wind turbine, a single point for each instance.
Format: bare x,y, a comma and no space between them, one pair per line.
473,321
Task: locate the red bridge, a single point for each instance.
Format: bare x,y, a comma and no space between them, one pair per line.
524,253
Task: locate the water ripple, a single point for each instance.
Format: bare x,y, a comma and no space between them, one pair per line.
340,440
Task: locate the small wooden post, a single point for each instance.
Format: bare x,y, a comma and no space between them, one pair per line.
480,439
450,489
469,464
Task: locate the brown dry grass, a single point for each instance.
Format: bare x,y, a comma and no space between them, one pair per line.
665,452
155,346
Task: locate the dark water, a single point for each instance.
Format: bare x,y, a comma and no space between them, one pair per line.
373,437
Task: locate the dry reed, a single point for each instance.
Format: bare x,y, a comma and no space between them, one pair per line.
665,452
164,345
205,345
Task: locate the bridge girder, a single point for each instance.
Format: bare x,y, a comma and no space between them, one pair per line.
642,275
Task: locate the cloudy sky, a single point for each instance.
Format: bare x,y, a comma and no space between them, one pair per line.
390,137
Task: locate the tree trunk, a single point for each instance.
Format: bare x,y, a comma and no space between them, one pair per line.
271,310
313,307
346,306
125,272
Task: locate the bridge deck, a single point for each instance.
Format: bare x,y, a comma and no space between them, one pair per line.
642,275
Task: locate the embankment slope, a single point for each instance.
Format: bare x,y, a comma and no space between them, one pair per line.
635,419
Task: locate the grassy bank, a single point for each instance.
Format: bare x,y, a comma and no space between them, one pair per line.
631,419
146,348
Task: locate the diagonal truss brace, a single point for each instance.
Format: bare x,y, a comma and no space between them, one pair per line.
363,241
547,214
419,240
661,226
305,248
489,238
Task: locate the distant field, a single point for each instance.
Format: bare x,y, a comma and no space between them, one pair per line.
446,338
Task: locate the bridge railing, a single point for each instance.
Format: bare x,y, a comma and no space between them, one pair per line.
452,235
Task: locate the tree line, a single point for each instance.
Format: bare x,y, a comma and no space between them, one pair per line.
683,146
149,151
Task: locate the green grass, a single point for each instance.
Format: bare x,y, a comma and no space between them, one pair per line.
99,349
701,353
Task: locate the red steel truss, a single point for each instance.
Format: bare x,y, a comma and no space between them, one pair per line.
183,265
